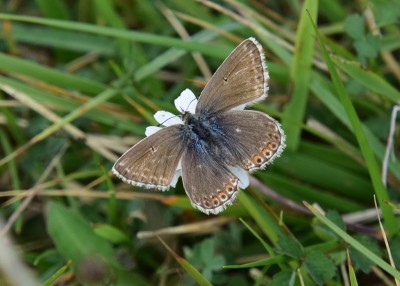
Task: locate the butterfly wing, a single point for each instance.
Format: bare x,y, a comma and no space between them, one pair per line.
252,138
209,184
241,79
152,162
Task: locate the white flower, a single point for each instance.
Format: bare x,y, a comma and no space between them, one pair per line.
186,102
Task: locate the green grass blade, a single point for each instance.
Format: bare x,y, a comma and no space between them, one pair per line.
53,278
31,69
358,246
262,262
300,75
264,243
390,220
265,221
62,39
368,78
53,8
189,268
217,51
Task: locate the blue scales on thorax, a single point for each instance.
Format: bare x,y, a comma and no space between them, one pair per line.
202,132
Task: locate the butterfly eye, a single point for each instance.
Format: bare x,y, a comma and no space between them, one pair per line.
257,159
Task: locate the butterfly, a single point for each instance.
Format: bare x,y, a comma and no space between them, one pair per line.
215,142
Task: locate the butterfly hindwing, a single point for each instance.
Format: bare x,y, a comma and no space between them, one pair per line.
209,184
241,79
152,162
252,138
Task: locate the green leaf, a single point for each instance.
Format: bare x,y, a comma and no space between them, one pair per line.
369,79
285,277
356,244
290,246
367,47
386,11
190,269
319,266
111,233
217,262
394,247
354,26
75,239
207,249
203,256
336,218
360,262
323,231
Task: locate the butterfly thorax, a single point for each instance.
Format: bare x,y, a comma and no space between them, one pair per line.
202,131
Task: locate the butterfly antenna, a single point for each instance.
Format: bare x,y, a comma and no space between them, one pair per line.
190,103
182,111
162,123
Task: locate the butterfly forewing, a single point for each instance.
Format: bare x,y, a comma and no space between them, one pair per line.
208,182
152,162
241,79
252,138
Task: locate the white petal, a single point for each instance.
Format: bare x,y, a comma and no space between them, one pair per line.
167,118
187,101
179,167
177,174
241,107
242,176
150,130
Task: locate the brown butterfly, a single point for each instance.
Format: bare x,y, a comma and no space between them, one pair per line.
215,141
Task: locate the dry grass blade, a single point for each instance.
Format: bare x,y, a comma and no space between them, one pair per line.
389,252
180,29
12,268
208,26
32,192
388,57
389,145
45,112
202,227
248,23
